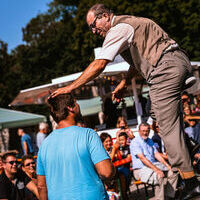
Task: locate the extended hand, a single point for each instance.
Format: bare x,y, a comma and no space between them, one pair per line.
117,94
59,91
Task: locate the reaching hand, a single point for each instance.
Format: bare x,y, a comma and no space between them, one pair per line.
59,91
117,94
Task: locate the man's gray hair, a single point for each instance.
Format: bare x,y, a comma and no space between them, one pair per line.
143,124
43,125
100,9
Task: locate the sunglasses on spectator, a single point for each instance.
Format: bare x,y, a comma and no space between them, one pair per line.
28,164
13,162
93,24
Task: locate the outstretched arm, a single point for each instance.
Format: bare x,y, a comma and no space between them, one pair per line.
90,73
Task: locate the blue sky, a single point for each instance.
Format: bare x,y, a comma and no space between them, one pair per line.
15,14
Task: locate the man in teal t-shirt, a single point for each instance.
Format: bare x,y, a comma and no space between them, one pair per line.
72,158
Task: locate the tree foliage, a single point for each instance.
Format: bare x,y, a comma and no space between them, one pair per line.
59,42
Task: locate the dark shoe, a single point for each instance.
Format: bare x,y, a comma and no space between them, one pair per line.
191,189
192,193
189,82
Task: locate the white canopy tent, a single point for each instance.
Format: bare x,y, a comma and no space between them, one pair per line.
13,119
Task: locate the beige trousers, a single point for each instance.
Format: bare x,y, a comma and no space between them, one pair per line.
166,84
166,186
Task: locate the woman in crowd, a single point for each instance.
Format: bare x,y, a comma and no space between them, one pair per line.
114,153
122,124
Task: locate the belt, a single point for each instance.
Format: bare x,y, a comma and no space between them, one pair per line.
172,47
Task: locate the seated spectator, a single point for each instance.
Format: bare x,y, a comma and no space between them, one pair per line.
106,139
42,134
149,166
114,153
125,153
13,180
122,124
158,142
29,167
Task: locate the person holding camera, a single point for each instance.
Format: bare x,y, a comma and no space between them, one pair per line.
123,127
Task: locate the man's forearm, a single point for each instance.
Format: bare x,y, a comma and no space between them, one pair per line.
90,73
149,164
161,159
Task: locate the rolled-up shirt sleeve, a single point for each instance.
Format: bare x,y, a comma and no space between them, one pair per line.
117,40
135,148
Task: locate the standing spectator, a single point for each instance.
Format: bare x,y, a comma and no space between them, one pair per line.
149,166
29,167
41,135
13,180
71,159
110,113
25,142
122,124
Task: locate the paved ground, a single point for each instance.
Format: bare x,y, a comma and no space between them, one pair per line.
140,194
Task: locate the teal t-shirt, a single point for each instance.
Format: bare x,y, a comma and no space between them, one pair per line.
67,159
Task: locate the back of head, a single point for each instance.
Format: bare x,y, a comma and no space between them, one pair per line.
100,9
58,106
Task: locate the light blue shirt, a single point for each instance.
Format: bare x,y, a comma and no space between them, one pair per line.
67,158
26,138
138,146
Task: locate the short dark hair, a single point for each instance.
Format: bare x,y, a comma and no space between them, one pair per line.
100,9
27,157
58,106
144,124
123,134
103,136
4,157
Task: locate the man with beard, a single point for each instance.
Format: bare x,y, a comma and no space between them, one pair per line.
72,159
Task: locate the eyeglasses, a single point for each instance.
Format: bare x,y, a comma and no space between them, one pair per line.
28,164
13,162
93,24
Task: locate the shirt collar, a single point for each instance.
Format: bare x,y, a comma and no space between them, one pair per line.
145,140
114,16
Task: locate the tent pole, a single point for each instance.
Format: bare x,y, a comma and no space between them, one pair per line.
137,103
